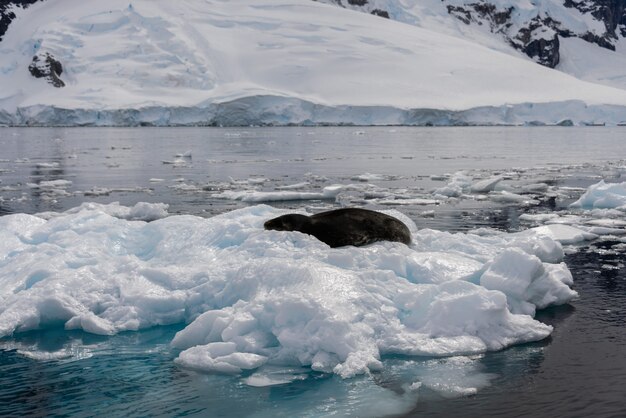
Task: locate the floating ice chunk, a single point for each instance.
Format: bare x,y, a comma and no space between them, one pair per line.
602,230
606,213
535,188
564,234
257,180
294,186
486,185
219,357
459,183
45,356
142,211
97,191
253,180
368,177
50,184
603,195
273,376
184,187
186,155
566,219
538,217
453,377
607,223
401,202
508,197
43,165
372,177
328,192
176,162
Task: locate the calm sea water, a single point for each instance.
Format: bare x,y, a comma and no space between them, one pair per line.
579,371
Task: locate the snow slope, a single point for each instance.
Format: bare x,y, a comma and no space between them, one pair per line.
500,25
271,62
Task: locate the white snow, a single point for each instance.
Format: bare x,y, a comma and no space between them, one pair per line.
588,62
255,298
246,62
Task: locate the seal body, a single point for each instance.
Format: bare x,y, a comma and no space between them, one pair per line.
348,226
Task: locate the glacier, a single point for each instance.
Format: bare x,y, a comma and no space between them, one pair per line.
273,62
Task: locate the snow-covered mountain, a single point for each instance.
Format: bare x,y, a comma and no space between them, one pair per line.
584,38
242,62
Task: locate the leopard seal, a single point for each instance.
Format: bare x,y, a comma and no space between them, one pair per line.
347,226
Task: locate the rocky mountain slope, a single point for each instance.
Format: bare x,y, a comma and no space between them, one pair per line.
537,28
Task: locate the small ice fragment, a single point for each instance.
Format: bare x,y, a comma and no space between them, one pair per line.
486,185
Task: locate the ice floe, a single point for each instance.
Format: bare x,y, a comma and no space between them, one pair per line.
253,298
603,196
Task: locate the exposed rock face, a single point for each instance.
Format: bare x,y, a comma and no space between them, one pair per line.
46,66
381,13
537,38
538,35
611,12
7,12
539,41
43,65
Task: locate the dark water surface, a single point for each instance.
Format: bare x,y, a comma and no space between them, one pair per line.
125,160
580,371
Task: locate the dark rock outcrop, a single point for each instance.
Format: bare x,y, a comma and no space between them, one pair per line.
361,5
539,41
381,13
46,66
7,12
544,51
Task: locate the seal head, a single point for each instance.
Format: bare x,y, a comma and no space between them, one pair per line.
291,222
